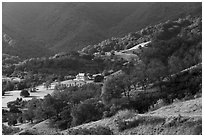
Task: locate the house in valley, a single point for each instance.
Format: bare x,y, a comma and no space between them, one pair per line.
80,80
81,77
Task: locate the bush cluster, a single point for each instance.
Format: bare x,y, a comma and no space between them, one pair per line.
69,107
9,130
24,93
99,130
124,124
160,103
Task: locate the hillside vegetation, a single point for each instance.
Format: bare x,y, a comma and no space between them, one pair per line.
183,120
168,69
41,27
165,120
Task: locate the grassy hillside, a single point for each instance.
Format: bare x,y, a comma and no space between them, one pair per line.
176,119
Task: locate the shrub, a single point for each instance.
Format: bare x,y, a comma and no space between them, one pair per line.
20,119
5,115
4,118
3,92
21,86
62,124
198,130
7,130
112,111
8,86
98,78
134,122
64,119
12,120
106,114
24,93
160,103
120,102
117,105
143,101
99,130
123,124
14,109
115,88
89,110
14,106
121,118
126,114
29,132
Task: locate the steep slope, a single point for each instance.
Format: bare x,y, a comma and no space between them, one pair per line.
187,108
154,13
72,26
23,47
67,24
182,121
42,128
178,118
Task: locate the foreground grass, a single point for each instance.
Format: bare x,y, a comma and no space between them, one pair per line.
151,125
7,130
181,118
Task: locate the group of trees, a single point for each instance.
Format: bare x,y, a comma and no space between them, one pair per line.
24,93
116,44
7,86
28,82
69,107
159,65
159,62
60,65
142,87
35,71
9,60
14,114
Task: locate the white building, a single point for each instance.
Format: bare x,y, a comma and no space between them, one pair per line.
81,77
69,83
80,80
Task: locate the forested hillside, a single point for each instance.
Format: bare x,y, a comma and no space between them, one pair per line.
175,45
38,28
168,69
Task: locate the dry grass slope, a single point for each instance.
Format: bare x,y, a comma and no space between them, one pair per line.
181,118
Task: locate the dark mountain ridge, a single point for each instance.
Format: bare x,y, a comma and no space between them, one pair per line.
72,26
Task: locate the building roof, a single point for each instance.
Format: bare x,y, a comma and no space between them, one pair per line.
70,81
81,74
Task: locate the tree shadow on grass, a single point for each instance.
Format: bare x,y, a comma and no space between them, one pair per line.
7,95
31,97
